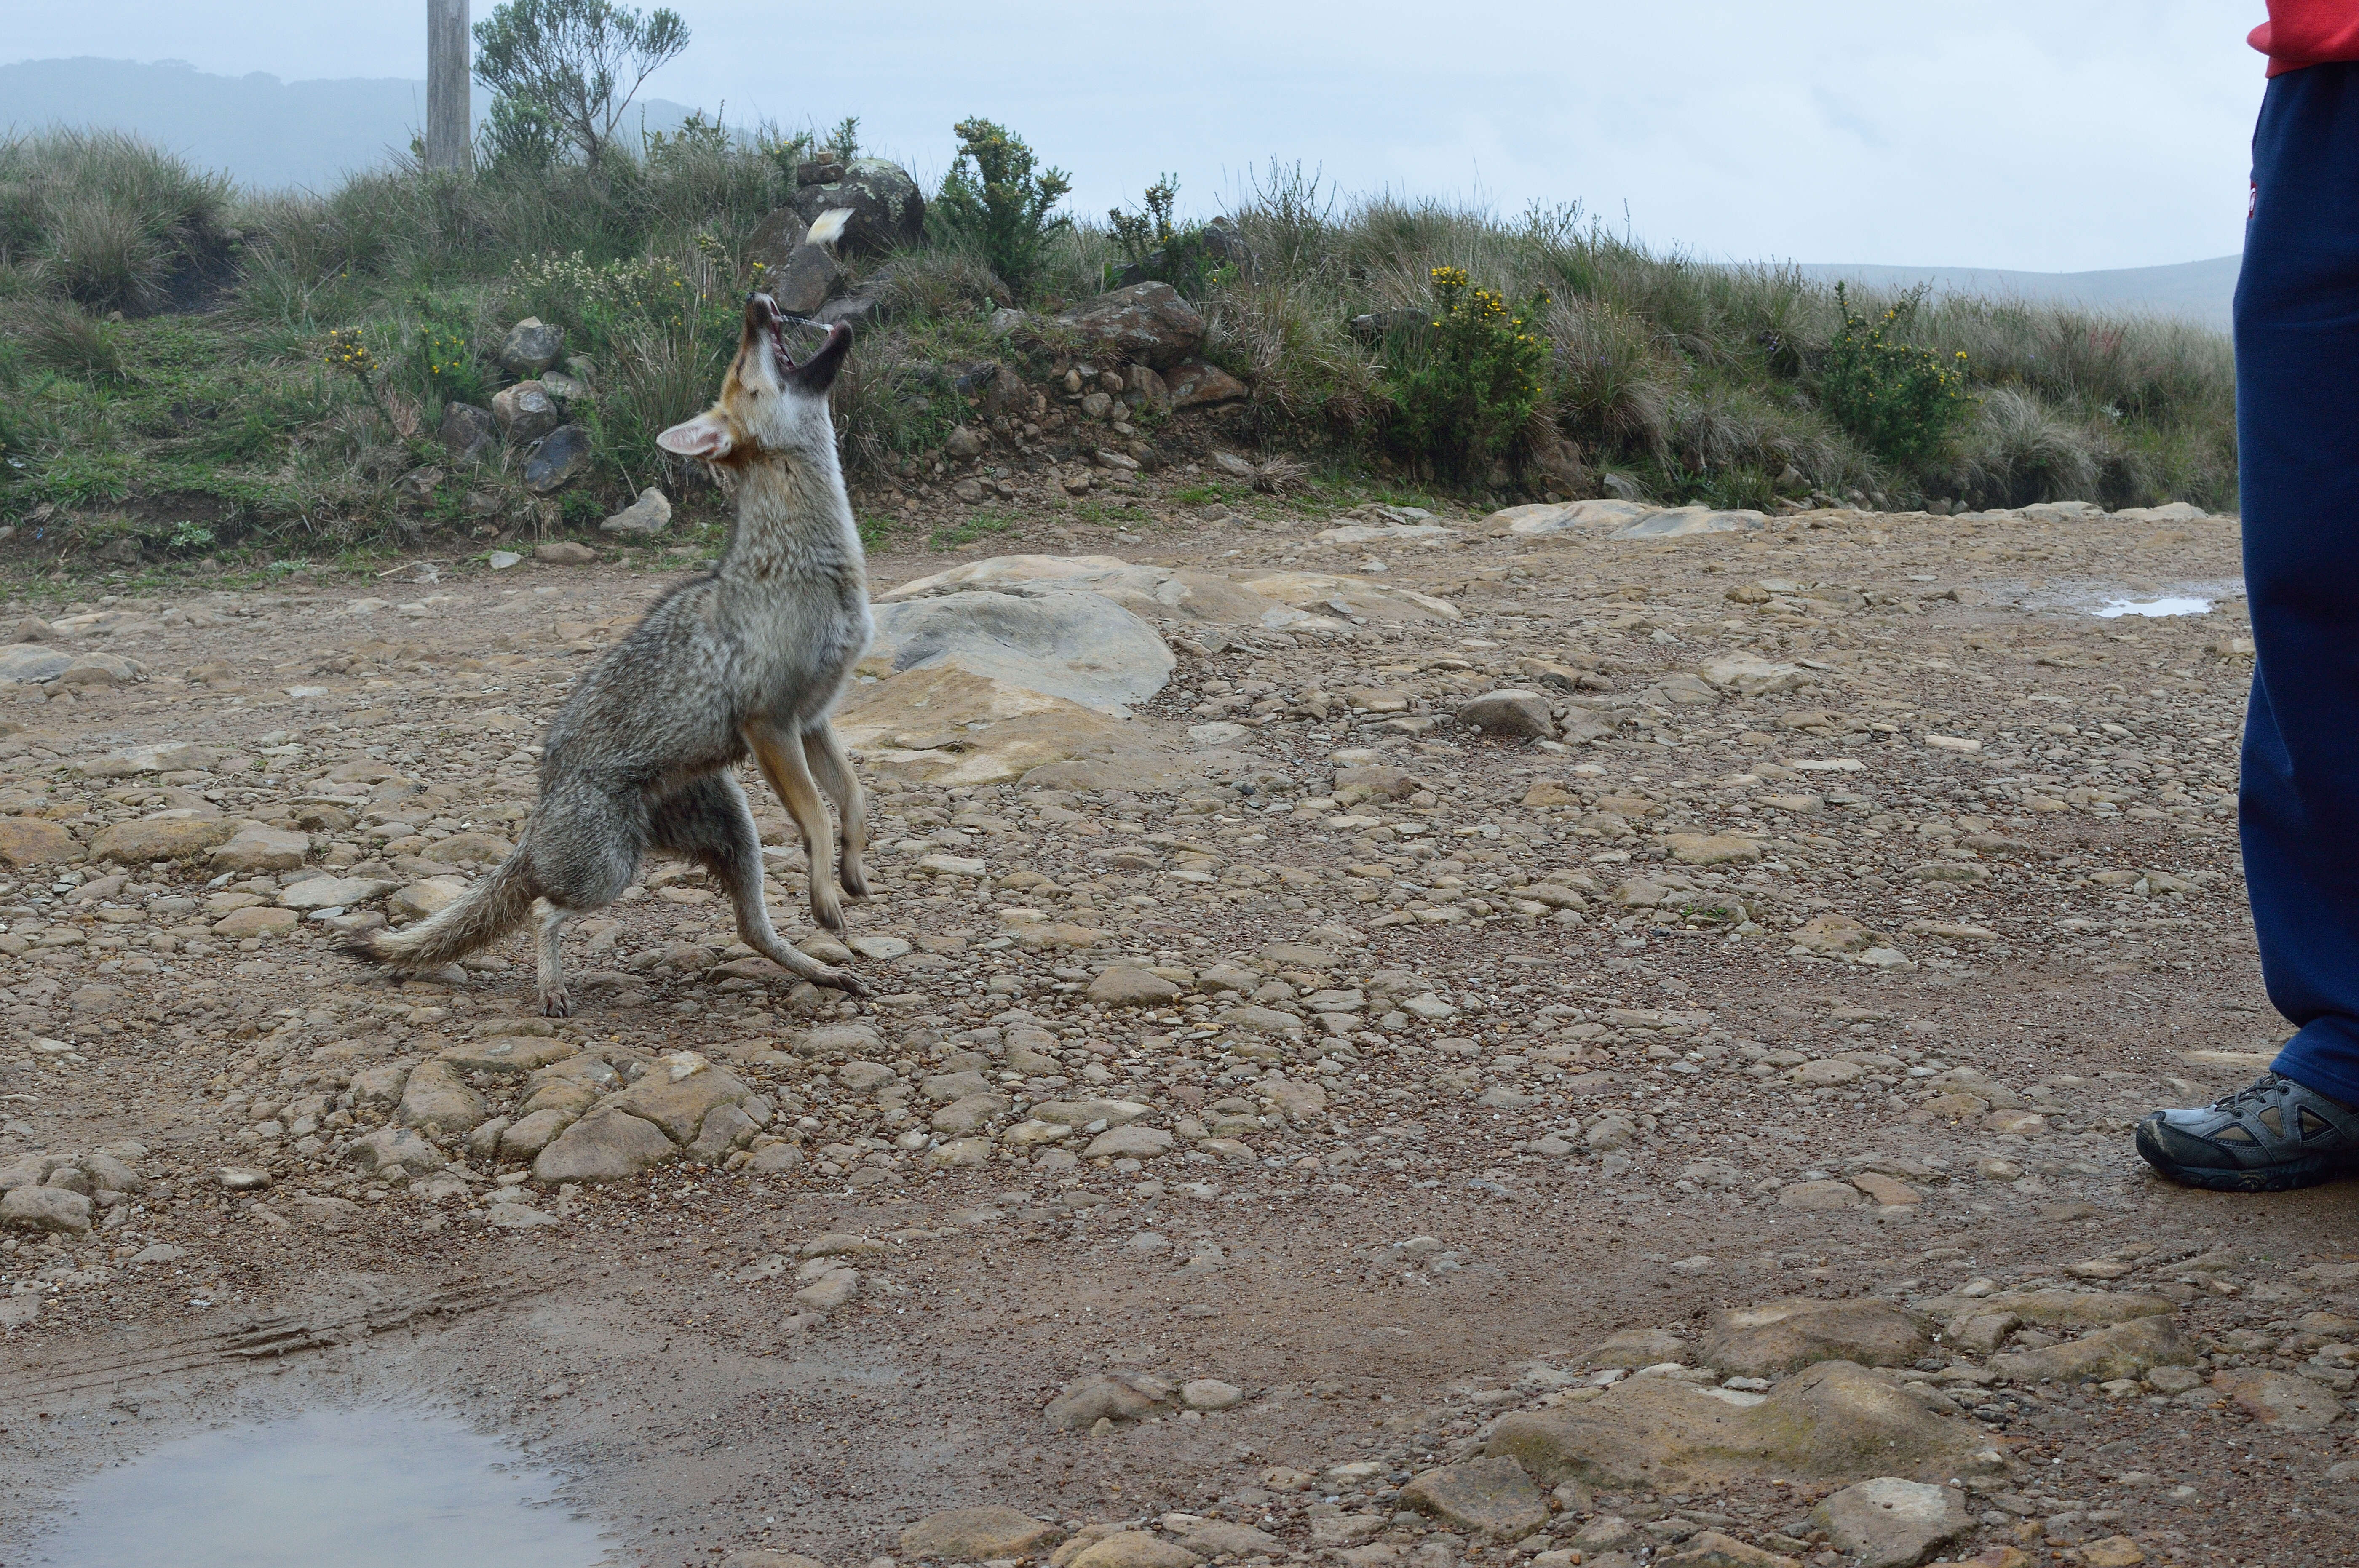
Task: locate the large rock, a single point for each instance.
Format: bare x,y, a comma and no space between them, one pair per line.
1351,599
436,1100
1146,323
1489,1497
2275,1400
1686,521
1129,1143
332,892
524,412
469,434
1123,985
158,839
45,1208
162,757
1834,1420
645,518
1518,715
1571,517
30,662
1709,1549
1748,674
1080,646
802,279
2124,1351
945,726
607,1145
1891,1523
262,849
888,212
2050,1309
422,898
530,347
32,841
1195,384
979,1535
1781,1336
1156,593
557,459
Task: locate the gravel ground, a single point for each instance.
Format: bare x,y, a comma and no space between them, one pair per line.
1343,1087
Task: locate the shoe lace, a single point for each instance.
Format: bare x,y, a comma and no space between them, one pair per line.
2268,1087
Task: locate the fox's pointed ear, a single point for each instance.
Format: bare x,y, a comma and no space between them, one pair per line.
706,435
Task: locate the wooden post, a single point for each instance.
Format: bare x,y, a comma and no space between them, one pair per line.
449,104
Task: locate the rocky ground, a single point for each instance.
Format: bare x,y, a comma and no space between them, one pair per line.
1581,1033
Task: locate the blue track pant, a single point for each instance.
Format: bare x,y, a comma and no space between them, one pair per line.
2298,438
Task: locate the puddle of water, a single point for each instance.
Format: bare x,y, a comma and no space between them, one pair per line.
359,1489
2153,608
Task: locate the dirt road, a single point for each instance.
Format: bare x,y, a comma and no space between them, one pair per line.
1277,1094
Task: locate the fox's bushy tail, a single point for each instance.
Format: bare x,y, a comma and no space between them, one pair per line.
484,914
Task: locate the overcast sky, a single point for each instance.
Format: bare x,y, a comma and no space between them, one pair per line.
2050,135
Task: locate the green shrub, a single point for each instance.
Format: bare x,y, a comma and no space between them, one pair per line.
1900,400
997,201
1161,250
1471,379
577,62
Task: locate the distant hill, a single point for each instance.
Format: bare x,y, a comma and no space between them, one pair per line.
266,133
2197,291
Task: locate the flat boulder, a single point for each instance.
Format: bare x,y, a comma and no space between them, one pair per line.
1490,1496
680,1105
437,1098
2275,1400
607,1145
393,1149
58,1210
1081,1404
979,1535
262,849
947,726
1123,986
1082,647
1687,522
158,839
30,662
33,841
1888,1522
1133,1549
1833,1421
1784,1336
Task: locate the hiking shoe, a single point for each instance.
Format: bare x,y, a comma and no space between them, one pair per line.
2275,1135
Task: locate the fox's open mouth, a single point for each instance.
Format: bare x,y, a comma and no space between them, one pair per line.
775,321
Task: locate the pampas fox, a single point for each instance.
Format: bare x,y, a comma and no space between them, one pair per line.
749,659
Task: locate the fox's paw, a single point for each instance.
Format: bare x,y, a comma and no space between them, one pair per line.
843,980
556,1002
855,877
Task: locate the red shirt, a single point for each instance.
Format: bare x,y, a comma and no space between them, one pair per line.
2307,32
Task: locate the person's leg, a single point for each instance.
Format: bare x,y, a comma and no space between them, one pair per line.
2298,438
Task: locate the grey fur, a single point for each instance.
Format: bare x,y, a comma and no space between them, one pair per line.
747,660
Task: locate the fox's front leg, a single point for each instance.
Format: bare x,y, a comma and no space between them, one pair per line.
782,763
832,769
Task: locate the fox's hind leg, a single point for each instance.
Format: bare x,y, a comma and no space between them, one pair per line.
832,769
711,823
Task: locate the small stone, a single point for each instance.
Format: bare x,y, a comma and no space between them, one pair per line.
556,460
438,1099
564,553
1712,848
530,347
2113,1552
1130,1142
1519,714
1209,1394
1124,986
1639,1347
1891,1523
244,1179
979,1535
330,892
258,920
1084,1403
830,1290
645,518
1710,1548
1488,1496
1818,1196
262,849
391,1149
421,899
